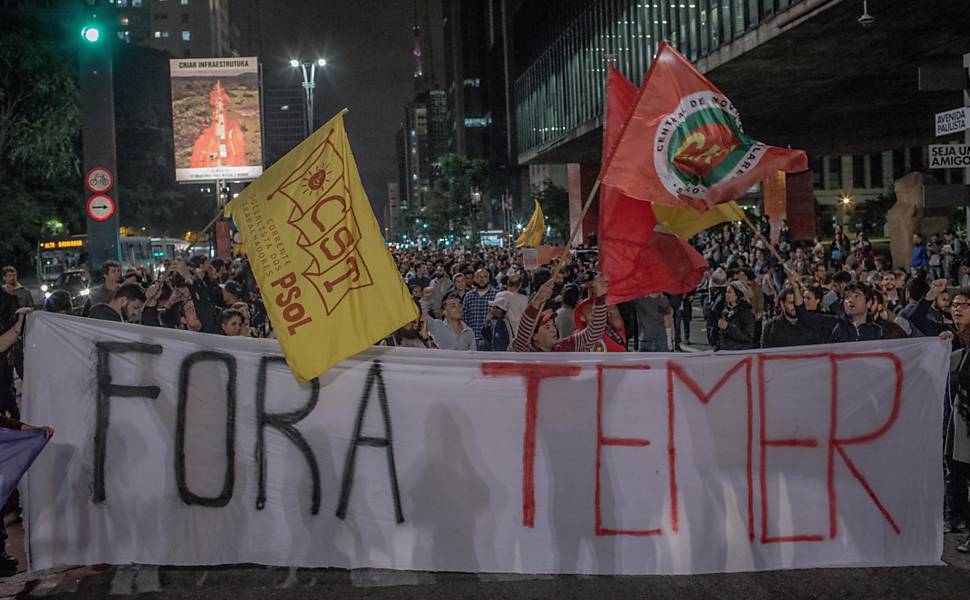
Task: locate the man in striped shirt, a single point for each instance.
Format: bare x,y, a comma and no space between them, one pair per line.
537,331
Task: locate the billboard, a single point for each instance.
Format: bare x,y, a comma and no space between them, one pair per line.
216,118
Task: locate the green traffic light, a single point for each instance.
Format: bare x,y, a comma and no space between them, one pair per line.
91,33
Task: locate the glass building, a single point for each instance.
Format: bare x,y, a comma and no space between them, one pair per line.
562,88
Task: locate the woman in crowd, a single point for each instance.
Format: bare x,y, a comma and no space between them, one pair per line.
736,324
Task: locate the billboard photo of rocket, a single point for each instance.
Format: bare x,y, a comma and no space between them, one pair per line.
216,119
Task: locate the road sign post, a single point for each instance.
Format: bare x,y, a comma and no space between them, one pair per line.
98,141
966,132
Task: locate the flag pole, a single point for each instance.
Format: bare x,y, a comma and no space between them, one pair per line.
566,256
222,210
764,240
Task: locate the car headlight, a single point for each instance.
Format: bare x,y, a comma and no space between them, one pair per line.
44,288
47,295
85,292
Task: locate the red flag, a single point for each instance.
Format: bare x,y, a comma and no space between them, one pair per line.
684,145
636,259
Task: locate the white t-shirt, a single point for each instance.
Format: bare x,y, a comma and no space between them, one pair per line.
517,304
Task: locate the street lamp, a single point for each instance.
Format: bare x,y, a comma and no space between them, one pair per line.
309,70
845,201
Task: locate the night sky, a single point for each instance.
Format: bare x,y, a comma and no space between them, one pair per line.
367,44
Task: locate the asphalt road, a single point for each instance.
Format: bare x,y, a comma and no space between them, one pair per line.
254,582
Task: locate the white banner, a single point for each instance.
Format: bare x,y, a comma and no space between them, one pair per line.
180,448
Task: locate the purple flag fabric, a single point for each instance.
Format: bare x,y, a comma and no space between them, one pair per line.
18,449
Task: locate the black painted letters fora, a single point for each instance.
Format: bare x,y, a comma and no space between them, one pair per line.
185,373
373,376
284,423
107,389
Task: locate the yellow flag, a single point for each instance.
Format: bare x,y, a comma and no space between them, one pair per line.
687,222
532,234
328,281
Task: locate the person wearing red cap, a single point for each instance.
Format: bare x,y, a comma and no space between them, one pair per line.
614,338
537,331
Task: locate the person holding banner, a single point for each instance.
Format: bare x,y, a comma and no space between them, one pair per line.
957,449
15,459
537,331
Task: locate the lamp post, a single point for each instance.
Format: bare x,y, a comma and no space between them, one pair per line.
845,202
309,70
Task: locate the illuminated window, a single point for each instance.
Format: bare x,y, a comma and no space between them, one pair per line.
186,36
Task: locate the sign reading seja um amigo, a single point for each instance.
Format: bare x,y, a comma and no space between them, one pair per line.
180,448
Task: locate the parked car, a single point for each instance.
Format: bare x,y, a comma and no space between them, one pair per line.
75,282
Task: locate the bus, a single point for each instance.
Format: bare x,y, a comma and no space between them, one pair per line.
55,257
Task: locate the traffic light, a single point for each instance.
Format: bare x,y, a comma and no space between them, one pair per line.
91,33
95,21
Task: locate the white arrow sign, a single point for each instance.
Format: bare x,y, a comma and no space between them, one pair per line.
951,121
100,207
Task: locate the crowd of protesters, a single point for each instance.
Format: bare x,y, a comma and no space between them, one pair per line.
752,296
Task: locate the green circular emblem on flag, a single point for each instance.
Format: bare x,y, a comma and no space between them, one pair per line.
701,144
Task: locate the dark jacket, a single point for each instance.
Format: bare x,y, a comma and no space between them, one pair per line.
780,332
891,331
847,331
151,316
206,307
497,333
739,334
713,307
104,312
821,323
926,319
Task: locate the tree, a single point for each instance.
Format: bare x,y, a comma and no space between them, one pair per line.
39,116
554,201
40,180
455,204
874,212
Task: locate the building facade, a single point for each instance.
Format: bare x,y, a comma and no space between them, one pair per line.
284,121
183,28
864,123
